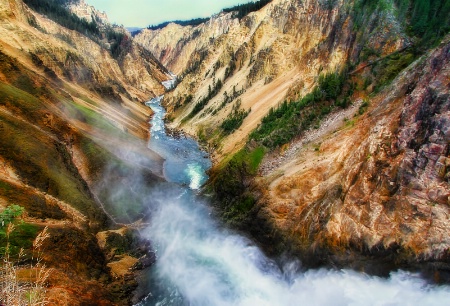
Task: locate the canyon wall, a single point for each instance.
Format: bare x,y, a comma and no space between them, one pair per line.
261,59
73,133
369,178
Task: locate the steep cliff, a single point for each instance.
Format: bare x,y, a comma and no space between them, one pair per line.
259,58
377,183
73,130
350,109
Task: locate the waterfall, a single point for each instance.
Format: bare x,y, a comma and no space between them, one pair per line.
200,263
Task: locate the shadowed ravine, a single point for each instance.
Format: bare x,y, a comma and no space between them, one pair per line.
200,263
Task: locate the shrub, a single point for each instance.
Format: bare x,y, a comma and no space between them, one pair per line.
234,121
14,290
203,102
288,120
9,214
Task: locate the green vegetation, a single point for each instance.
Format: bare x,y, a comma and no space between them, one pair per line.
241,9
21,237
427,20
191,22
21,252
231,67
235,119
227,98
39,151
9,214
13,96
287,121
120,43
254,159
212,92
349,123
231,183
183,101
126,243
33,154
386,70
194,62
56,10
43,163
363,107
35,205
245,9
91,117
118,187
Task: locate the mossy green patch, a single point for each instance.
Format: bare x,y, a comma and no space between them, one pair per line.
388,69
91,117
255,158
230,183
21,237
44,163
18,99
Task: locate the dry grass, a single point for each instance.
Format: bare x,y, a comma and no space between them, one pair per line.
24,285
123,266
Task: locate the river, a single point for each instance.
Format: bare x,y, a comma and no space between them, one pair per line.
200,263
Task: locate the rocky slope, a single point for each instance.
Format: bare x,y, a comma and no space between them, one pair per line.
370,179
259,58
73,134
378,184
88,12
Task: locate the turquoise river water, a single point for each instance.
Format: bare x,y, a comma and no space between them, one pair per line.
200,263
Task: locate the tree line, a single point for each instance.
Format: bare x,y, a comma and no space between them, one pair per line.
289,119
427,20
192,22
245,9
56,10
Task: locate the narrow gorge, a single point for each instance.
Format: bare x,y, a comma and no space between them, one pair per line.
275,153
328,119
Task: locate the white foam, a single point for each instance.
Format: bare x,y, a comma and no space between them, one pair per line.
209,266
195,174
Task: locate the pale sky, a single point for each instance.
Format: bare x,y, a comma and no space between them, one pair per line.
141,13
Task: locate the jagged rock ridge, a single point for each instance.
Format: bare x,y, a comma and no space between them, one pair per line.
374,183
73,133
287,44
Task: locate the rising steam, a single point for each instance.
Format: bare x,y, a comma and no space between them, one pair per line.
200,264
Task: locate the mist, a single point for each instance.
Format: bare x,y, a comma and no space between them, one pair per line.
201,263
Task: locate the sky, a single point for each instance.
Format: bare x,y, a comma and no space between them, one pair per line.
141,13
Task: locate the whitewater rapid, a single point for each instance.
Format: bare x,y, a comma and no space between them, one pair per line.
199,263
185,163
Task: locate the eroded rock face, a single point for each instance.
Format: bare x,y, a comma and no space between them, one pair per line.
285,45
374,183
68,56
174,44
382,184
88,12
72,125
